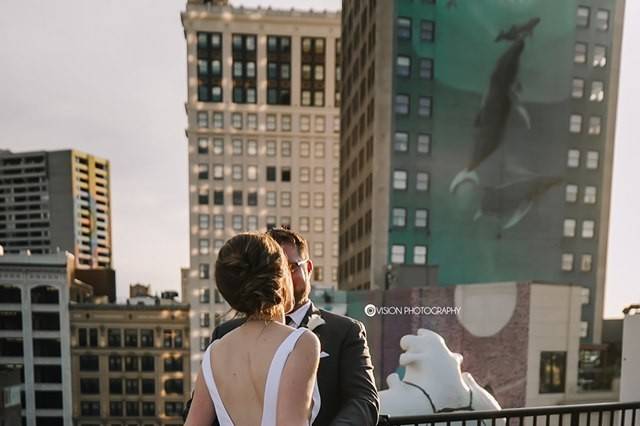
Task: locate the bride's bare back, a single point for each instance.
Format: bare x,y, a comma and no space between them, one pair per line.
240,365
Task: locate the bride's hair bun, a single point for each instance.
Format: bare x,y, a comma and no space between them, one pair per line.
249,274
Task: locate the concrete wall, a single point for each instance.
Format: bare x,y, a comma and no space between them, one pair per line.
630,376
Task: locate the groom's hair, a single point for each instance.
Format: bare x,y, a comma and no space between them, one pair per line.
249,274
284,235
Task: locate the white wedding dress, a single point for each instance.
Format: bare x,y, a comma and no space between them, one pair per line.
269,415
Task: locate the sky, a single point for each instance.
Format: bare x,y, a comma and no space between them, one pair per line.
109,78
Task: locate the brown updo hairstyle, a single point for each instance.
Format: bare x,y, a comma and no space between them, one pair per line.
249,274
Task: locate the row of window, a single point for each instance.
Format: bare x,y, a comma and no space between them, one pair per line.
252,149
39,295
404,29
581,54
401,180
134,386
576,124
399,254
399,217
133,338
589,194
425,67
401,143
588,228
133,408
568,260
591,161
249,121
597,90
237,173
403,105
583,18
271,200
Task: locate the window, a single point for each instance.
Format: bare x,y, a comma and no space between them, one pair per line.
286,149
304,199
148,386
305,149
595,125
573,158
252,223
585,266
218,146
271,222
271,174
577,90
115,386
597,91
130,363
252,198
131,386
420,255
319,124
236,172
399,179
318,224
402,104
422,181
272,124
47,373
204,295
318,273
285,122
172,338
569,228
236,222
218,172
424,144
218,198
89,408
602,20
305,174
203,146
218,120
272,148
304,224
426,68
204,319
133,408
397,254
318,249
575,123
236,198
582,17
89,386
148,409
399,217
403,28
427,30
218,221
146,336
271,199
552,372
252,148
46,321
252,121
131,338
89,363
318,150
203,119
318,200
588,228
236,147
203,221
115,363
173,364
422,218
173,409
571,193
592,160
401,142
567,262
236,120
285,174
590,193
203,197
403,66
203,246
599,56
580,53
318,174
285,199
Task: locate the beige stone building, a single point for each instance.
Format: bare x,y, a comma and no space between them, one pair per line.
129,364
263,138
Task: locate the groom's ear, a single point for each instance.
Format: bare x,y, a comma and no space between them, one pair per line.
309,267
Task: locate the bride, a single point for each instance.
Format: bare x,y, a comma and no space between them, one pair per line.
264,372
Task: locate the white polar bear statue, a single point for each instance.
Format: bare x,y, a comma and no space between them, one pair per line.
433,382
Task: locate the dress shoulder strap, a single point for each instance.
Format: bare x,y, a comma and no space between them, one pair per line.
207,373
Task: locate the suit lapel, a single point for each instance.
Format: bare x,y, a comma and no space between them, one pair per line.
312,310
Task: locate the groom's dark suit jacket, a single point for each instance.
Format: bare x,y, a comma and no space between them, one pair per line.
345,377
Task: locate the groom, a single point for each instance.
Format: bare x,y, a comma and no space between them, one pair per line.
345,375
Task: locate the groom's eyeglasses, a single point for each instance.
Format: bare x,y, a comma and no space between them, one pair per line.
293,266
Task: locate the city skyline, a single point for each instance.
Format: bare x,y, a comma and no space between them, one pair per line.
103,94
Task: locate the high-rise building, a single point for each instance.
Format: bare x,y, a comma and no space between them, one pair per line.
130,363
263,138
56,201
35,291
477,143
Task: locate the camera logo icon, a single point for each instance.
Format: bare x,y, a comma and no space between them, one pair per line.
370,310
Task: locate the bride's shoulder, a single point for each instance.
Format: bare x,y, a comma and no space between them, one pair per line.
309,343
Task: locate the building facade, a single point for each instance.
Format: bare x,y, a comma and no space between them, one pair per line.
130,364
490,129
56,201
263,139
34,333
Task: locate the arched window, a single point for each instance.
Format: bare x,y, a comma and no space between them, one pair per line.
45,294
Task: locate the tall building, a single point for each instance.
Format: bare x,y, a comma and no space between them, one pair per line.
35,292
490,129
263,138
130,363
56,201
